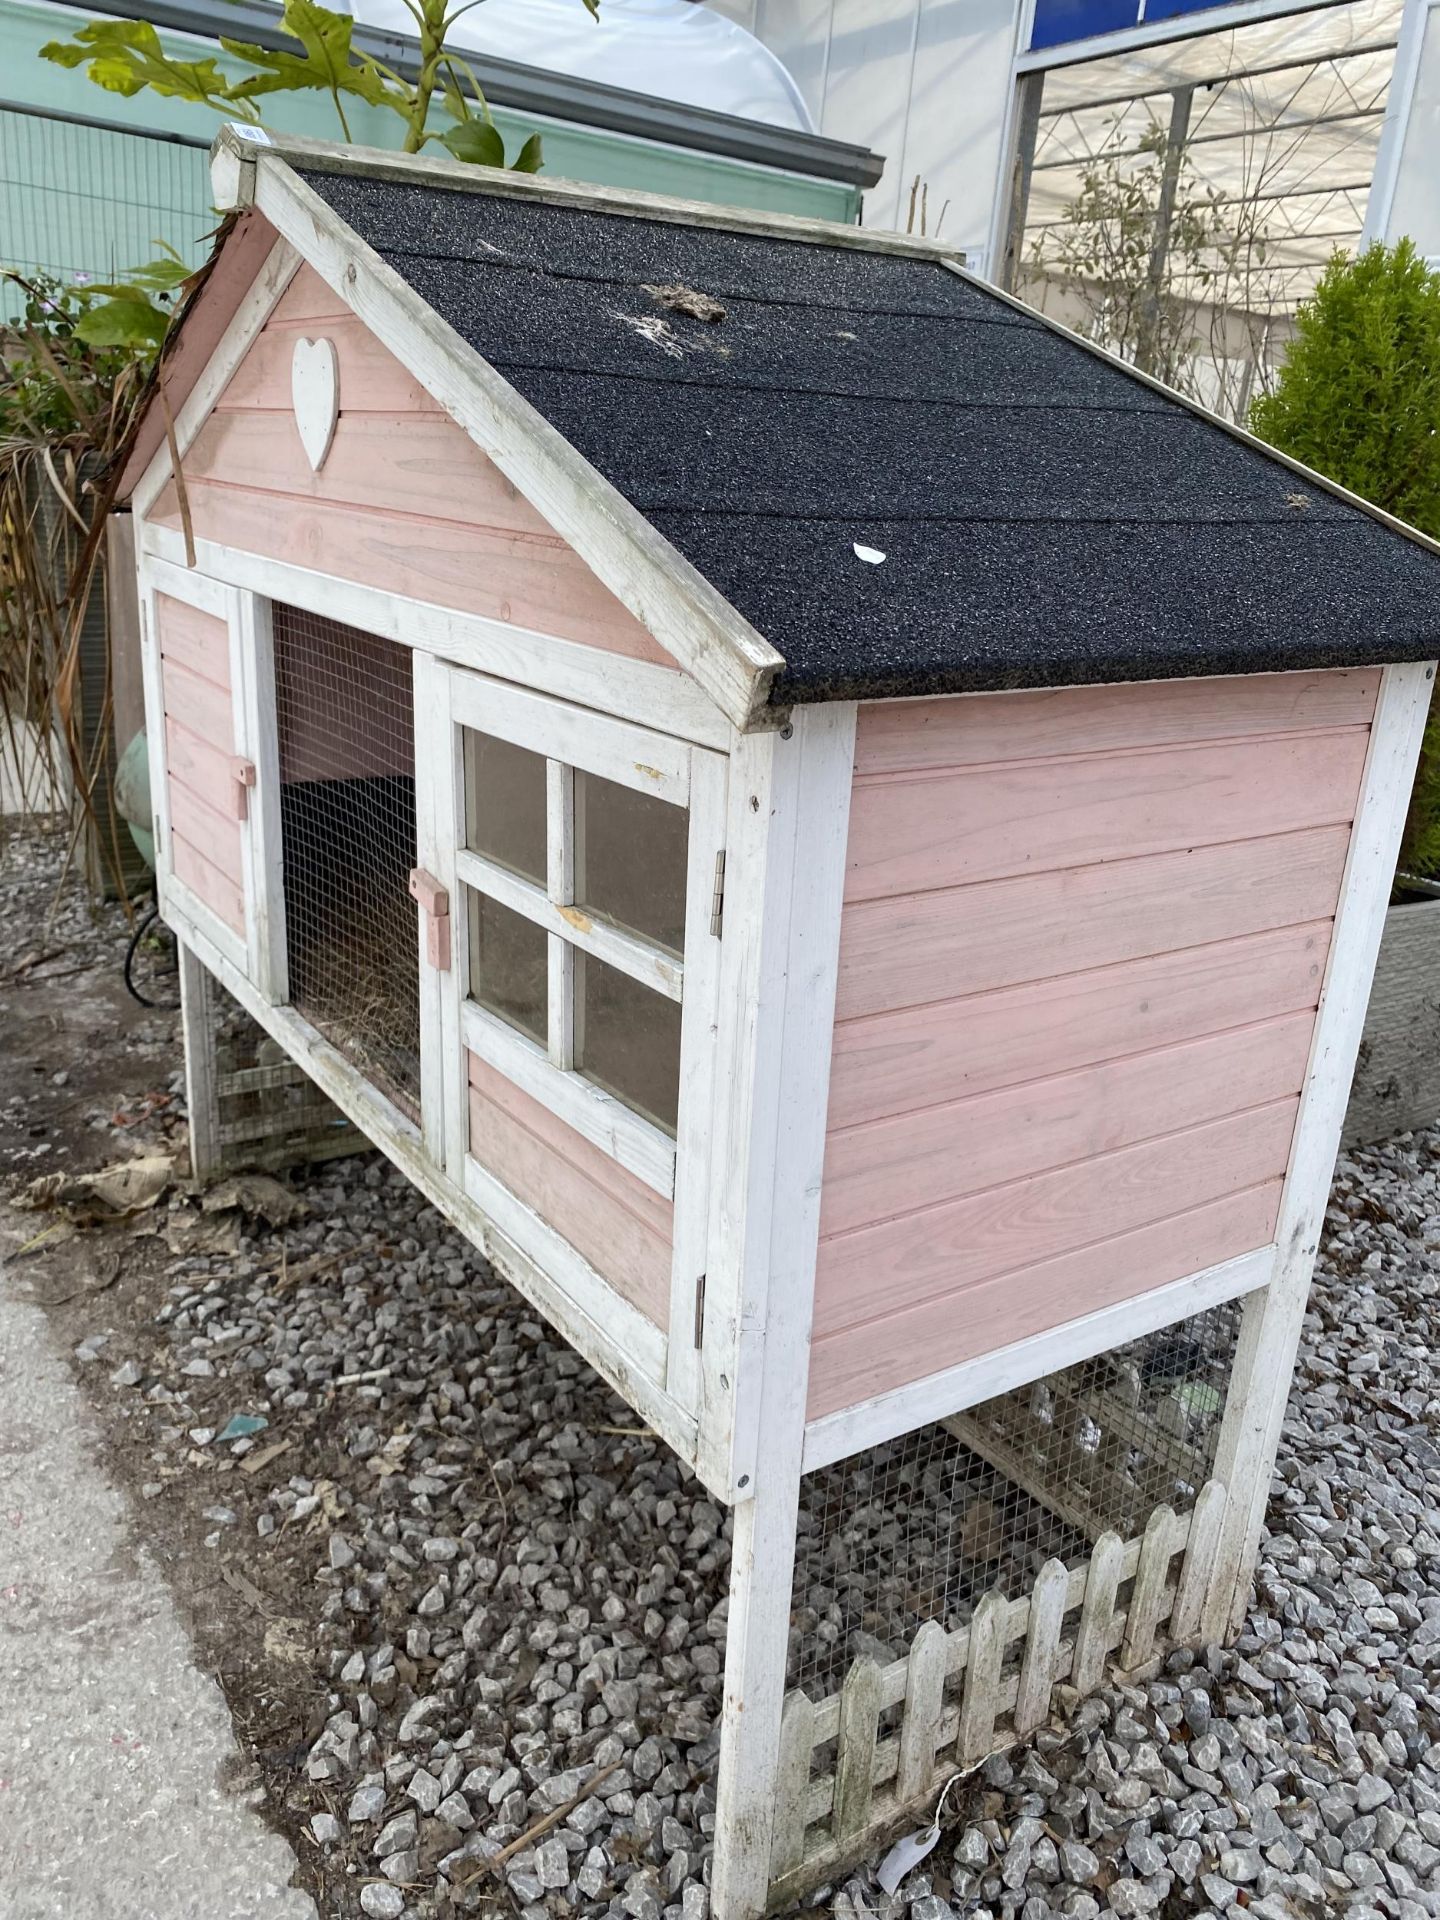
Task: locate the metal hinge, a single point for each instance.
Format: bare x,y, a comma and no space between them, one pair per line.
700,1311
717,903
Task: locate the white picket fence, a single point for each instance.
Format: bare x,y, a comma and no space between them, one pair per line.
850,1775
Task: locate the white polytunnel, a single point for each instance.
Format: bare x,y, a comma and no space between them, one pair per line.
673,49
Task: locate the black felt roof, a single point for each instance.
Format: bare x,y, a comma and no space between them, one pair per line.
1046,519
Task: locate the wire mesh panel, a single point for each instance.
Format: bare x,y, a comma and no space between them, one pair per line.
88,201
345,717
919,1529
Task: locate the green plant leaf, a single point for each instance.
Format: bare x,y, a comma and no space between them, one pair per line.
155,276
476,143
127,321
530,158
326,63
126,57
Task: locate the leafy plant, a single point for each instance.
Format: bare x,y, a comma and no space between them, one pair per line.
1139,299
128,57
70,385
1167,272
1358,399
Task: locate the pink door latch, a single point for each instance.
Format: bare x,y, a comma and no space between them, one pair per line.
242,776
435,905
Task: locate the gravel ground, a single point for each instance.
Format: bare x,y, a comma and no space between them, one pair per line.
479,1584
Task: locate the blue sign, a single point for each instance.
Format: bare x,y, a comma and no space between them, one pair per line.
1058,22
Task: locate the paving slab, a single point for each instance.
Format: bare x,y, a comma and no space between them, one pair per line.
112,1742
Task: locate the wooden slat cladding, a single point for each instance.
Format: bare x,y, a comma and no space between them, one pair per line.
621,1226
404,501
1084,939
907,736
205,852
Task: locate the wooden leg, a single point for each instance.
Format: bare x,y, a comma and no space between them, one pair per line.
1273,1316
197,1021
762,1567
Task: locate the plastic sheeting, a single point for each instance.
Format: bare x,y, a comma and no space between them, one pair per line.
669,48
1285,120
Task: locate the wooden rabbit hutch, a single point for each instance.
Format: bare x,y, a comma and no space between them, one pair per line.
840,835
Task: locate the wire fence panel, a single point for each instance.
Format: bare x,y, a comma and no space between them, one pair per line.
921,1528
86,201
345,718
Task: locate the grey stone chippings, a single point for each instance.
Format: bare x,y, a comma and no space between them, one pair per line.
517,1588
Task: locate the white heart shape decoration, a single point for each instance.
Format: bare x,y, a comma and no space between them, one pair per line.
315,396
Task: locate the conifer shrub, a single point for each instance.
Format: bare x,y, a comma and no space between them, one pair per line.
1358,399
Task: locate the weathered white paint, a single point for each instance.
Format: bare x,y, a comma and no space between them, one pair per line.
315,395
1270,1325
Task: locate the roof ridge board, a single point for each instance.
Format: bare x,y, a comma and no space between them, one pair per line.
1202,412
300,151
705,633
1025,320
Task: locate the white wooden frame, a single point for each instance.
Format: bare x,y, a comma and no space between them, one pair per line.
919,1403
220,603
1272,1318
789,816
680,773
236,158
571,740
570,670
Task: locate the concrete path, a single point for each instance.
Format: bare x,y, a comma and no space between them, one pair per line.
111,1740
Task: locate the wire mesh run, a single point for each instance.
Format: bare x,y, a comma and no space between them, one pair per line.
922,1527
345,718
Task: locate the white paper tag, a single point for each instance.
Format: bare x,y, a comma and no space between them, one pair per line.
905,1855
871,554
257,135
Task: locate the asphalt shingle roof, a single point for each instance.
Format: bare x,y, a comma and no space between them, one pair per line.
1045,518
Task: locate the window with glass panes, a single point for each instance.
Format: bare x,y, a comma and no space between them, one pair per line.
575,896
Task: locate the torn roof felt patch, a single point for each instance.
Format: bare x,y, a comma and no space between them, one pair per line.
1044,517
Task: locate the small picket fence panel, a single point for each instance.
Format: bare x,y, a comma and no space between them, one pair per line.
970,1693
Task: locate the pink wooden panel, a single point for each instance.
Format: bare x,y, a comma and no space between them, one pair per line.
1084,938
405,501
204,878
941,1153
898,735
192,347
199,766
621,1226
527,582
371,378
199,745
910,833
944,1249
919,1056
194,640
211,832
922,947
886,1353
377,460
198,704
306,299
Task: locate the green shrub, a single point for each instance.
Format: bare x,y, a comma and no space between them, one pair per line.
1358,399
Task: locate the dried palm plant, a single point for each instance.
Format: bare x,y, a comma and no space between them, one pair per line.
66,409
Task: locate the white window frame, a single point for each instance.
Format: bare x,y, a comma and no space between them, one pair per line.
572,739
